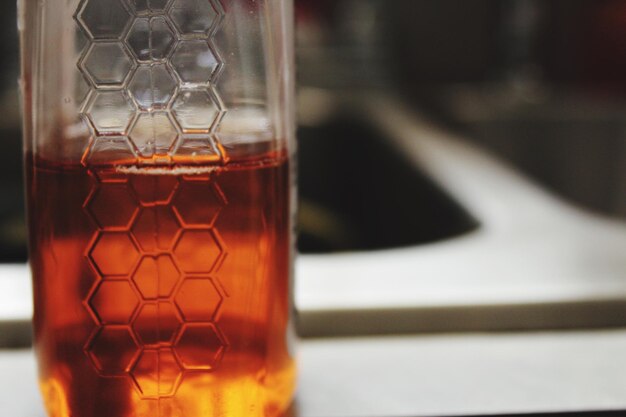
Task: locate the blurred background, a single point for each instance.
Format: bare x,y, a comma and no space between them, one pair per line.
539,83
473,155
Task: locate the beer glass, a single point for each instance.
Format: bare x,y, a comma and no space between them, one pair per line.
158,139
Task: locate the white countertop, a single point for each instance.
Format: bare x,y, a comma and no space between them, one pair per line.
427,375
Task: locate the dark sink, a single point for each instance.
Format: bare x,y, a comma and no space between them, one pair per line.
358,193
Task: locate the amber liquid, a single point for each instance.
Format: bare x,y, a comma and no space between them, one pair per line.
162,292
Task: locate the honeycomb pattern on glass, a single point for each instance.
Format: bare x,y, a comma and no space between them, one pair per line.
158,325
194,61
112,350
194,16
107,64
160,266
192,146
151,38
113,219
148,7
200,346
110,112
152,87
196,111
113,253
149,195
159,55
148,73
157,373
191,260
105,148
144,228
104,19
120,312
154,133
195,308
210,203
168,319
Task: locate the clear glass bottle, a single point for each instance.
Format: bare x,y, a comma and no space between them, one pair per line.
159,136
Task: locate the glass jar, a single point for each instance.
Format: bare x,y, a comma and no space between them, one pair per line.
158,137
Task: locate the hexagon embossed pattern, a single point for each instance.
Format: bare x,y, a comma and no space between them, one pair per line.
145,95
151,66
145,303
